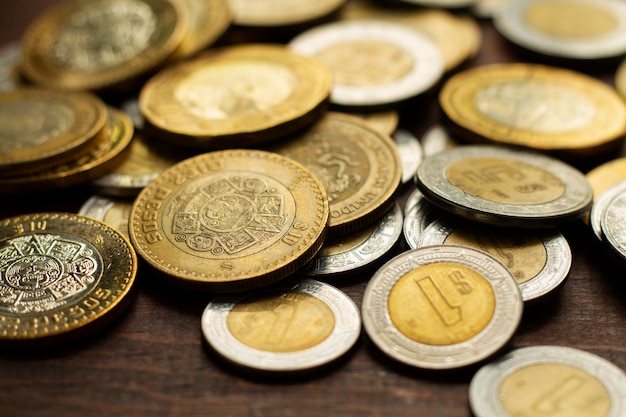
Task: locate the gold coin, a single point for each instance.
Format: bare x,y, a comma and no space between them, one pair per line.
41,128
93,45
230,220
385,122
539,107
604,176
62,275
108,153
235,96
273,13
359,167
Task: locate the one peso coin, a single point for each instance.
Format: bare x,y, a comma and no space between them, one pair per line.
62,275
230,220
554,381
504,186
441,307
297,326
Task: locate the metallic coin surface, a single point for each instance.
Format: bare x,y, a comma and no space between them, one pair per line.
208,20
578,29
359,168
613,225
539,259
113,211
418,214
555,381
293,326
385,122
436,139
62,275
605,176
451,4
10,56
534,106
503,186
441,307
410,152
357,250
235,96
620,79
231,220
275,13
600,204
358,54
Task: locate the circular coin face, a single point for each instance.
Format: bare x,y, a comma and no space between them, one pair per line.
441,307
504,186
286,328
61,275
208,20
550,381
230,220
359,54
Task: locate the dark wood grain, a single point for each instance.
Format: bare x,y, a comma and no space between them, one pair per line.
151,360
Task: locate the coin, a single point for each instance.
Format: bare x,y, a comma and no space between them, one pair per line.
612,224
548,380
358,250
276,13
600,204
448,4
359,167
580,29
358,54
436,139
98,45
620,79
418,214
487,9
604,176
106,155
441,307
62,275
208,20
410,152
289,327
40,128
236,96
232,220
539,259
112,211
544,108
503,186
385,122
10,56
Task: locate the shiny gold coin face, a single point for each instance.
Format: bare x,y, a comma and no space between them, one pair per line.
208,19
523,254
575,20
288,322
441,304
554,390
505,181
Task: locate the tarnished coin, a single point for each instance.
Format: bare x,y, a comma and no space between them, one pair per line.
95,45
358,250
208,20
575,29
41,128
410,152
236,96
290,327
504,186
10,56
276,13
359,167
441,307
613,225
230,220
62,275
600,204
436,139
539,259
359,54
114,212
548,381
544,108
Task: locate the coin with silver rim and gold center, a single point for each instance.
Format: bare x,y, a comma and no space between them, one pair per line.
441,307
231,220
62,276
555,381
289,327
504,186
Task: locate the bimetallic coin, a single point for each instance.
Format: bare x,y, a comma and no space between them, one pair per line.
359,54
539,259
574,29
503,186
236,96
359,168
297,326
441,307
555,381
232,220
613,225
600,204
544,108
418,214
276,13
436,139
208,20
62,276
410,152
114,212
358,250
10,56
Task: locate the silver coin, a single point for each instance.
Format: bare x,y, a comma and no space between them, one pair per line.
599,206
580,29
293,326
374,63
436,139
548,381
540,259
410,152
357,250
114,212
504,186
613,225
441,307
417,218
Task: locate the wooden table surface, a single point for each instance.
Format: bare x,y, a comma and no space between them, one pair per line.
151,360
